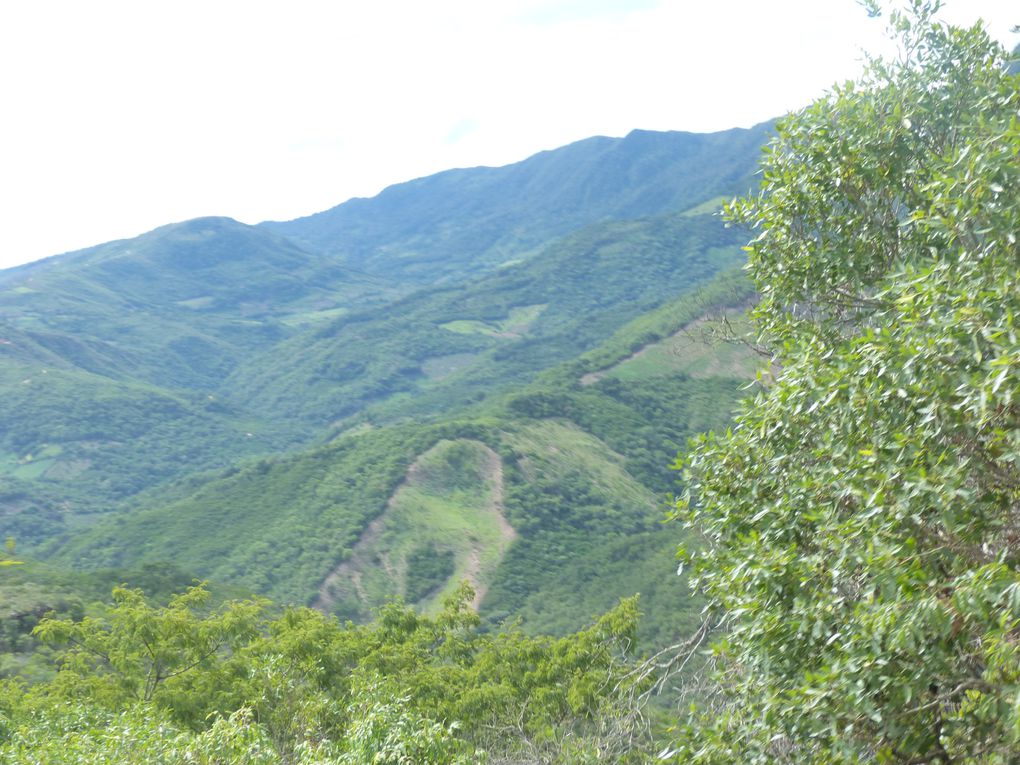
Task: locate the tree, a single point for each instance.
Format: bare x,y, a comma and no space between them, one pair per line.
187,683
144,653
861,519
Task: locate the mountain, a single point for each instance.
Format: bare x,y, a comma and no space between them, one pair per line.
482,374
466,221
113,357
180,305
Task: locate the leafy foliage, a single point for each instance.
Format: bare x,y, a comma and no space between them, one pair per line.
241,686
861,516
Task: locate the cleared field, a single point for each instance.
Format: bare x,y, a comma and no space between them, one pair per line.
443,525
517,323
705,348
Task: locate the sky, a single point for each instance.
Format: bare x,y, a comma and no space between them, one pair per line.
121,115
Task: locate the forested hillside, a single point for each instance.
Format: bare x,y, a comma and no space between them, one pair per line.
256,405
376,408
463,222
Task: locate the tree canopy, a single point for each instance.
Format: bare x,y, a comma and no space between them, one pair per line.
861,519
244,683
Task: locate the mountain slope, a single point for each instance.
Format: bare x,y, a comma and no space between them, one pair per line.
374,513
443,346
253,408
180,305
111,359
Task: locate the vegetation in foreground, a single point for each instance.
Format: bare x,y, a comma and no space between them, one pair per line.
861,517
238,684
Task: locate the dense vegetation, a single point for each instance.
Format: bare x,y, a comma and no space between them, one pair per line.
240,684
136,364
441,347
582,481
861,517
106,468
465,222
147,429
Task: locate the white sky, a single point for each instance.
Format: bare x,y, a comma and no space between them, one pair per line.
122,116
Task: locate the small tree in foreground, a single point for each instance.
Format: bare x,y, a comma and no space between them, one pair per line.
862,517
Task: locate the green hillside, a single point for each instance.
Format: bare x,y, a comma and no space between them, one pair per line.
444,524
436,427
441,347
461,400
111,361
518,495
179,306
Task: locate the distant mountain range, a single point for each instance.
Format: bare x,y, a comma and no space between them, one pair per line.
481,374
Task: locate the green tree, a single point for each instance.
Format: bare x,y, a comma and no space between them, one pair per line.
185,683
138,652
861,519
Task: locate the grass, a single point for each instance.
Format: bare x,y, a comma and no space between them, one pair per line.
706,348
30,466
517,322
469,327
556,448
312,317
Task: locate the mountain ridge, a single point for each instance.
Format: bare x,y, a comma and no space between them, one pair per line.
596,179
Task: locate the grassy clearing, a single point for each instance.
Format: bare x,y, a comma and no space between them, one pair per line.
30,466
469,327
447,512
555,450
517,322
29,469
703,349
313,317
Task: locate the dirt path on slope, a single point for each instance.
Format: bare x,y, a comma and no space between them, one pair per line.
347,575
492,473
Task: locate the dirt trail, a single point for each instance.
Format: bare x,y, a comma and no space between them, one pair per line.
493,474
346,576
